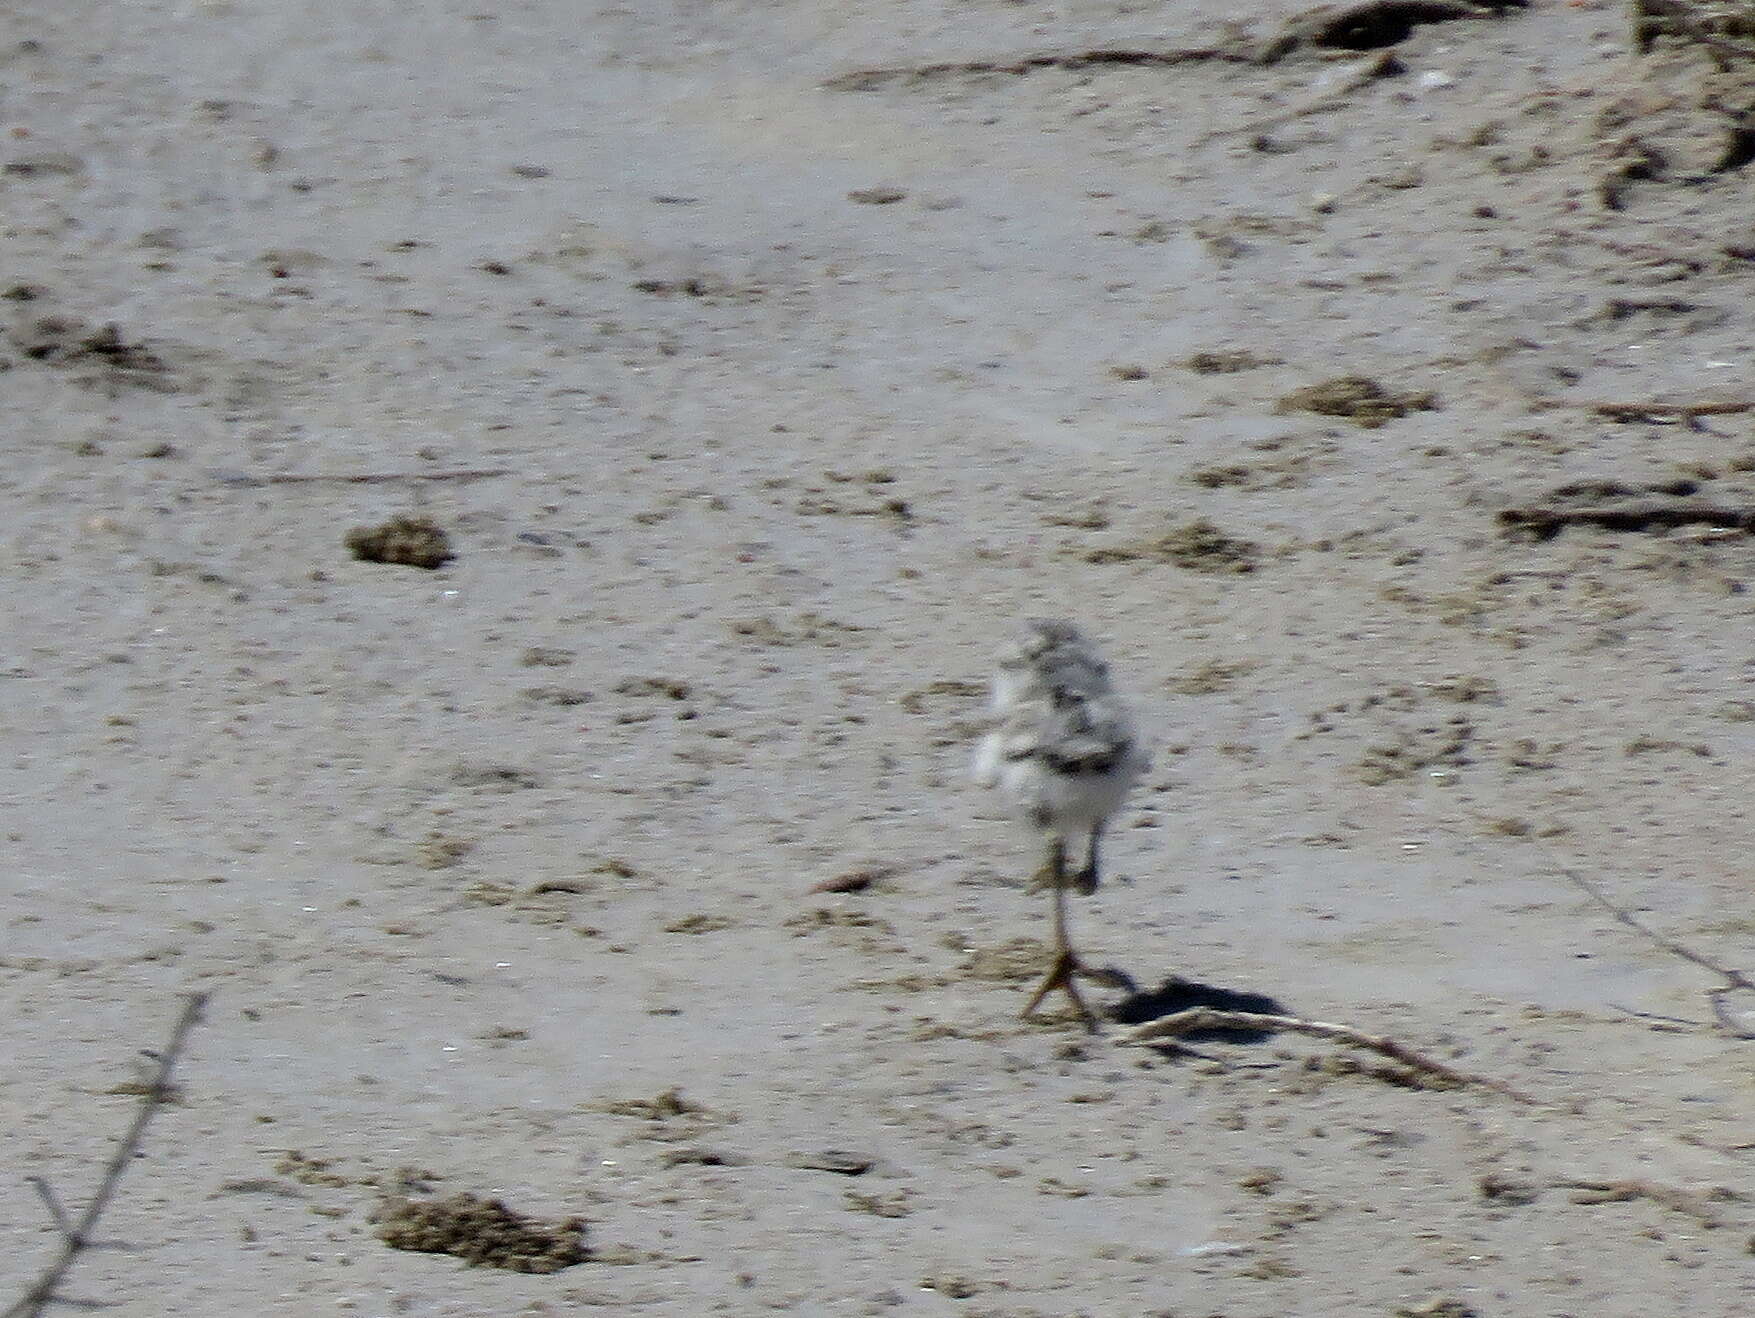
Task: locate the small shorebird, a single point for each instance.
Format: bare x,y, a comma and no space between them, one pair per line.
1064,753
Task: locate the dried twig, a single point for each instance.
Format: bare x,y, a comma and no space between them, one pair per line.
1694,1203
364,477
1206,1018
1347,29
1734,980
865,80
1545,521
1688,414
76,1232
1659,1022
1684,412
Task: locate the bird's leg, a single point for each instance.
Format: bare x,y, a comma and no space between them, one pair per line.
1086,879
1066,961
1052,872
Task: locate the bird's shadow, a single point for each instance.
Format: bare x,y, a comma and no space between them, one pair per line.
1177,994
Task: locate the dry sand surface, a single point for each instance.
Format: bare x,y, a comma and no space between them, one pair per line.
763,364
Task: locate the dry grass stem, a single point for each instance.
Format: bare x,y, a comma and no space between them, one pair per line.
1208,1018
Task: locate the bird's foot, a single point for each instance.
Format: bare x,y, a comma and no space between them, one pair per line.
1060,976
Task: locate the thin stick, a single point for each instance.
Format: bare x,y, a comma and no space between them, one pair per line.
76,1234
864,80
1734,980
1545,522
1694,1203
1210,1018
1649,411
367,477
1688,414
1668,1024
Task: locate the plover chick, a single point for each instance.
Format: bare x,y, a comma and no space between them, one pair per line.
1064,753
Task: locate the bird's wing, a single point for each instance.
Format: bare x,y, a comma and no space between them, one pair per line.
1087,736
1074,731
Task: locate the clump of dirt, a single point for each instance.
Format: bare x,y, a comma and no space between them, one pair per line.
894,1203
442,851
701,922
1013,962
542,904
709,288
807,629
1509,1191
1402,1077
821,917
1228,361
670,687
1692,20
670,1118
412,541
481,1232
857,879
547,656
67,341
916,702
670,1103
558,695
1359,399
1212,677
816,504
310,1171
498,777
1463,689
838,1161
1439,1306
1198,546
1415,751
1217,478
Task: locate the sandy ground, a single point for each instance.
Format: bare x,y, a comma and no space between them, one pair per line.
764,363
